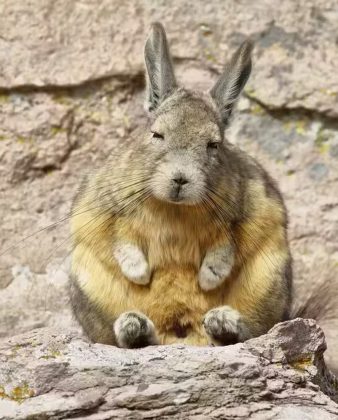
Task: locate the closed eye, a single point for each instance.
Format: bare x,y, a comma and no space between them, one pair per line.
213,145
157,135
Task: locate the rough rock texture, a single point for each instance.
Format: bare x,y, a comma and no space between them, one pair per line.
67,43
36,300
71,92
56,375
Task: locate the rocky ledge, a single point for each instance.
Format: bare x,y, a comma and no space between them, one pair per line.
49,374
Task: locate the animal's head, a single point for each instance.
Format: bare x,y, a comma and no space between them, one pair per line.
187,132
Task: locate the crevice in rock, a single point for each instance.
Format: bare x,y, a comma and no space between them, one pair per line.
84,412
125,80
294,113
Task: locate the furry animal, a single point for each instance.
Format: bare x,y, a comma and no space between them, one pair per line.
187,234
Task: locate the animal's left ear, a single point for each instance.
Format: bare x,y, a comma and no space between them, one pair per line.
233,79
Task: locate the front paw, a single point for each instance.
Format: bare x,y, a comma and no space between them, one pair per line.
216,267
224,325
133,263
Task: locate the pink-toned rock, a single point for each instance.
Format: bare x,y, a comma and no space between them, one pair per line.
57,375
71,93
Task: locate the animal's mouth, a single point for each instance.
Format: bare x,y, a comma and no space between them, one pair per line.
176,197
179,200
176,194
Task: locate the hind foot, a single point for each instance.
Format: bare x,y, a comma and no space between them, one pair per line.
134,330
224,325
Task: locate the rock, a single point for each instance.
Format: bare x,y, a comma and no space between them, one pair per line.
71,84
56,374
318,171
36,300
67,43
71,43
44,151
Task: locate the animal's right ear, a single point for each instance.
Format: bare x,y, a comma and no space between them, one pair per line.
160,73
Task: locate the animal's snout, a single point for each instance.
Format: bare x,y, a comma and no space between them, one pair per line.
180,180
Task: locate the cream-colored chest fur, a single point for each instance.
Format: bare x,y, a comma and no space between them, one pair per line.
175,237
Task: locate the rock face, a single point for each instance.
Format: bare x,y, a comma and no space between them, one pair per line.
36,300
69,43
56,375
71,92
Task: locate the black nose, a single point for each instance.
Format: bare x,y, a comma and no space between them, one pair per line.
180,180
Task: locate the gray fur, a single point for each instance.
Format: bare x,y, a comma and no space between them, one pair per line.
96,326
233,79
216,267
160,73
225,325
133,329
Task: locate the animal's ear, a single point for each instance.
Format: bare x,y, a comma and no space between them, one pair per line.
160,73
235,74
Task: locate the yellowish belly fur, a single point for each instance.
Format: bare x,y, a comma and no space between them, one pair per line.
175,245
173,300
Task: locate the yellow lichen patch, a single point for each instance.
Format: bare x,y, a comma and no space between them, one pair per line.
250,92
324,148
18,393
57,130
287,126
49,171
126,120
301,126
52,354
21,139
3,98
96,117
321,141
335,383
257,110
302,364
328,92
278,51
62,98
15,349
209,56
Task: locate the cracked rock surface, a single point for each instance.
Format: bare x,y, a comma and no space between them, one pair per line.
67,43
277,376
71,93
